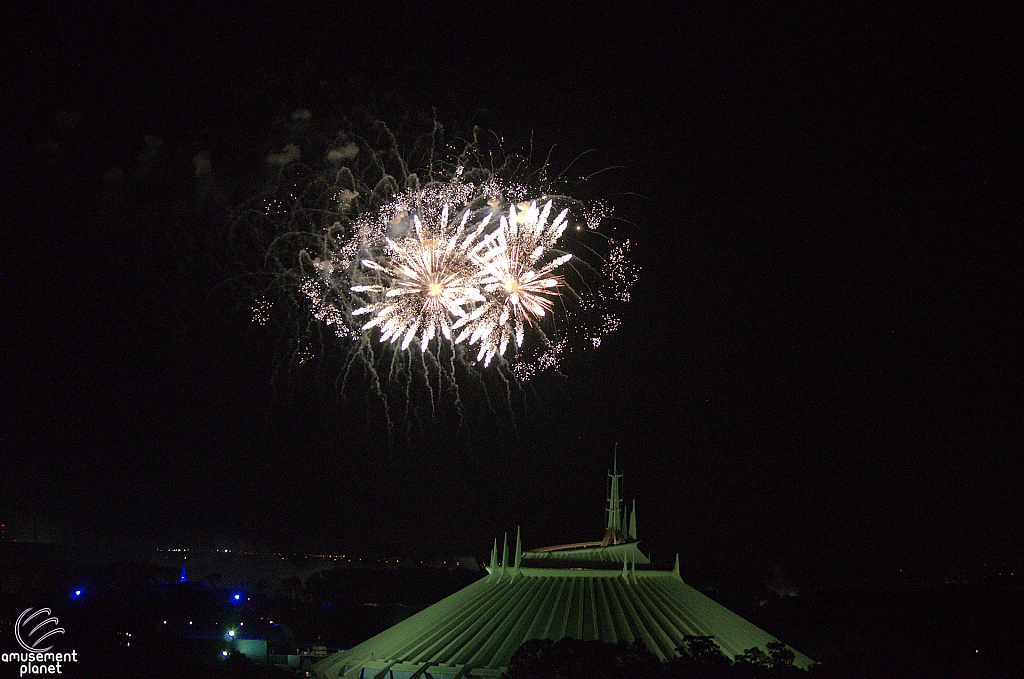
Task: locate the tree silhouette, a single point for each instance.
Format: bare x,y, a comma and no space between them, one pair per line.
574,659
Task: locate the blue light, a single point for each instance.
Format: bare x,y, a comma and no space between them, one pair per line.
77,593
237,597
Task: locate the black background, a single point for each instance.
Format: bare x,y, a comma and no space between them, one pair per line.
821,365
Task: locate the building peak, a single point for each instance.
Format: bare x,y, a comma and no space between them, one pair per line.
618,528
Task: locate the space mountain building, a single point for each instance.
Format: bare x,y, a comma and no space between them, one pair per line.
604,590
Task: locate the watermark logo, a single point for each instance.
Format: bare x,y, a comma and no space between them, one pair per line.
32,630
46,628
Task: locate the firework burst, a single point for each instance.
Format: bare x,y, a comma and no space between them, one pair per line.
429,281
434,264
431,264
520,286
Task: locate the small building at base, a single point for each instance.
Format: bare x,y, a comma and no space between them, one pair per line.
602,590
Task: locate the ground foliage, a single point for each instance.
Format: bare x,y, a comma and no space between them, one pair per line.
700,657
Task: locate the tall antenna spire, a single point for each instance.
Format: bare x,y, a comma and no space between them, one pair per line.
613,533
614,503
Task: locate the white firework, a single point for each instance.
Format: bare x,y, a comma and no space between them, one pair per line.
427,282
418,264
464,259
519,285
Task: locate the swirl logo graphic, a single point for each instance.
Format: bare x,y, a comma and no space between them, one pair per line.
26,618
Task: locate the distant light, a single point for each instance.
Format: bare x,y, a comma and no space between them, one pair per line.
231,633
78,592
224,653
237,597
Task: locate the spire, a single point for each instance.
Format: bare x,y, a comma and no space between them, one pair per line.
504,555
614,503
632,522
183,577
519,551
625,570
494,556
675,569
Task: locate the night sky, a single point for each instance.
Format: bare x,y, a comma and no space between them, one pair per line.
821,366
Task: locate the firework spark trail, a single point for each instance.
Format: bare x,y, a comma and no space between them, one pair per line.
418,274
397,257
429,282
520,289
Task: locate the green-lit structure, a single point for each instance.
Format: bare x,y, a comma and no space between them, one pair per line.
591,590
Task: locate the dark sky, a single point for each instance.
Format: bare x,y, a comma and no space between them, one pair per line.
821,365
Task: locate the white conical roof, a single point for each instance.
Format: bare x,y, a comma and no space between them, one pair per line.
476,630
586,591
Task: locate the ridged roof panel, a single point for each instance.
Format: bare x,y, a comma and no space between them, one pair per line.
627,551
482,625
